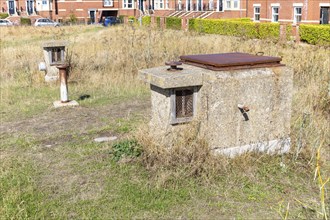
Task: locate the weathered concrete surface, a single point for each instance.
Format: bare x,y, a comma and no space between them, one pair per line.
266,91
52,73
71,103
105,139
161,77
55,43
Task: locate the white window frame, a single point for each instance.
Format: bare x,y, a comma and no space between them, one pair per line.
199,6
179,5
296,15
256,13
211,4
231,4
128,4
160,4
228,4
275,14
190,3
108,3
235,4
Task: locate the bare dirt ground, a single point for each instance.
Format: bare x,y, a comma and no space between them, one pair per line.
78,120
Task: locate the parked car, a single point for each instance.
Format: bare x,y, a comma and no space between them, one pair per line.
46,22
111,20
5,22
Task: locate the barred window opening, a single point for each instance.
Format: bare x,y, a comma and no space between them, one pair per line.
184,103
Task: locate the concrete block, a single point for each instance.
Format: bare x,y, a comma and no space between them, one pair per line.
59,104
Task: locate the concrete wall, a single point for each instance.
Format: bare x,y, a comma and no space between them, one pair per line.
266,91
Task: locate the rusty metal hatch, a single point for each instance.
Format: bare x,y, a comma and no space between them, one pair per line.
184,103
231,61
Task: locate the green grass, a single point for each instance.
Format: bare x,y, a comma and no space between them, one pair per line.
79,179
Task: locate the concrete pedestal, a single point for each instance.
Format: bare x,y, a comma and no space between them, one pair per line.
58,104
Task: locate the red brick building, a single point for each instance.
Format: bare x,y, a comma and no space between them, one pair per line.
290,11
284,11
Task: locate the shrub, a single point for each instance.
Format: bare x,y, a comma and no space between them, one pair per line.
240,28
238,19
315,34
132,19
3,15
173,23
25,21
158,21
126,148
288,32
73,19
122,18
146,20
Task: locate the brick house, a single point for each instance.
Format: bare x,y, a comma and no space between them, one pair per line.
283,11
290,11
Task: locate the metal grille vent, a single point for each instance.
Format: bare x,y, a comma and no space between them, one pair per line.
56,55
184,103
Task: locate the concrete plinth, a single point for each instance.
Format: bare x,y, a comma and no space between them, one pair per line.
58,104
51,78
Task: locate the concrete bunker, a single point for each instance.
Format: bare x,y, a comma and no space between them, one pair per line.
242,102
54,55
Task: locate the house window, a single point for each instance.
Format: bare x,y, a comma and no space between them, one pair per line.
228,4
183,105
231,4
56,55
167,4
107,2
297,14
220,5
44,2
179,5
256,13
275,14
211,5
159,4
324,15
128,3
236,4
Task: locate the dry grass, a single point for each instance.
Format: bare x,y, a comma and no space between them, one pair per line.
105,63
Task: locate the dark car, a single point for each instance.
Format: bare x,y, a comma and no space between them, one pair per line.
111,20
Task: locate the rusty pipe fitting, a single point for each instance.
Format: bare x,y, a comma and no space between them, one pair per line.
173,65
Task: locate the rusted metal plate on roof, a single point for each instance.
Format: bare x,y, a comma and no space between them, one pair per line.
227,61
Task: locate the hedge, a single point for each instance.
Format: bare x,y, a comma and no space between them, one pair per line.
315,34
158,21
3,15
146,20
237,19
132,19
236,28
25,21
122,18
173,23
